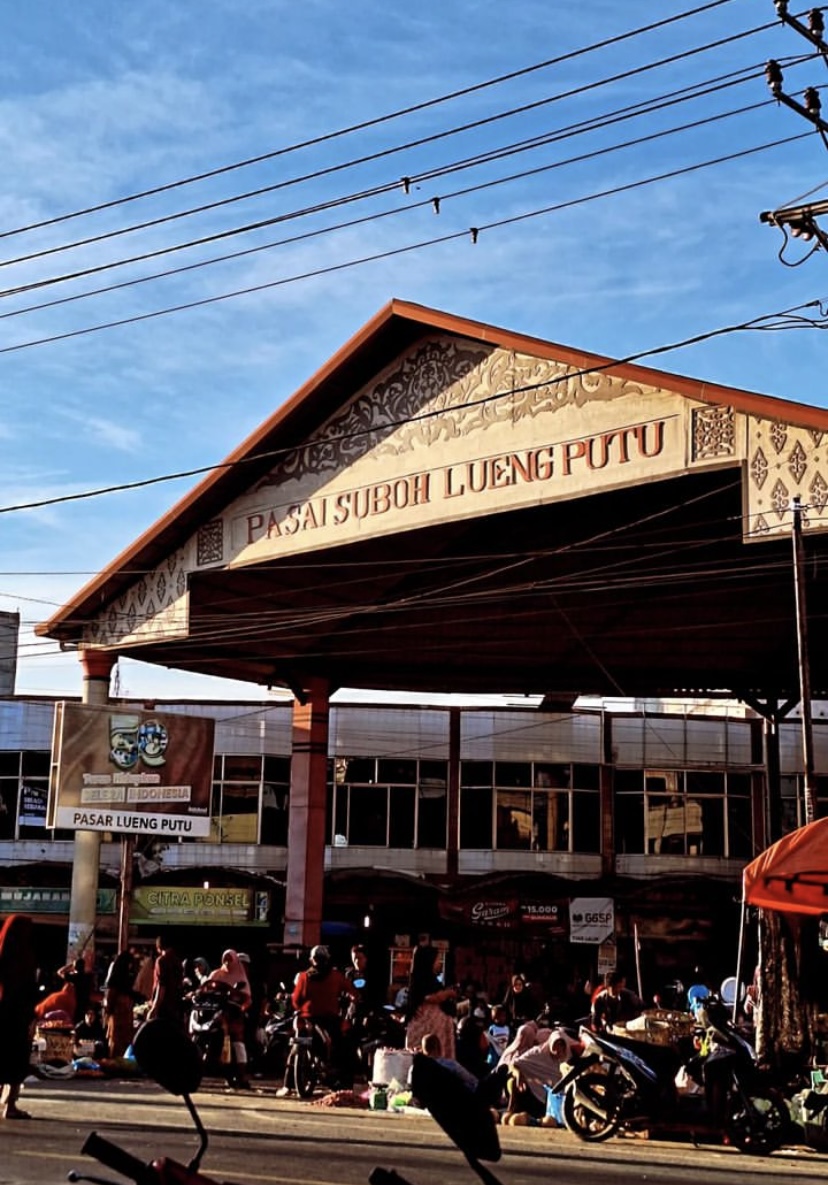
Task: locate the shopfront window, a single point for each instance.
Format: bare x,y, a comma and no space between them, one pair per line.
24,795
683,812
379,802
530,806
236,800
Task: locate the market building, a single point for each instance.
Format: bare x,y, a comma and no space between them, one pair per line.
451,508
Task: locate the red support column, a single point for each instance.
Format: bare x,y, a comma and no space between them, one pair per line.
306,828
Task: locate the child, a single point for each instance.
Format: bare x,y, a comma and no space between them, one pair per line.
498,1035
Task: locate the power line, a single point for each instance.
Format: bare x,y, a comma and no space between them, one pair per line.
387,187
786,318
390,253
370,123
474,125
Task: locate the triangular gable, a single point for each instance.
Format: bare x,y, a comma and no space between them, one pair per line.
423,419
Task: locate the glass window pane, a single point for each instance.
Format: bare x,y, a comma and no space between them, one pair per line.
550,822
629,823
514,821
343,794
8,807
36,764
556,776
275,800
698,782
360,769
586,777
476,818
738,785
586,823
397,771
431,818
740,841
277,769
513,773
434,771
9,764
476,773
368,824
238,768
240,813
401,817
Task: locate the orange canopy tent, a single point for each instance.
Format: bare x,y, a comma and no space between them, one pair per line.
792,874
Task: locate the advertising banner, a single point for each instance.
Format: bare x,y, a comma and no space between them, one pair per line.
182,905
144,773
15,899
34,801
591,919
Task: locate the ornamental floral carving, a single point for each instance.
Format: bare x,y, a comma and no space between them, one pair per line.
797,462
759,468
444,388
713,433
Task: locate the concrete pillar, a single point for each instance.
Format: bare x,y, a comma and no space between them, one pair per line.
306,826
83,903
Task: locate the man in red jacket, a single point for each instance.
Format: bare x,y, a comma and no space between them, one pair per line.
317,995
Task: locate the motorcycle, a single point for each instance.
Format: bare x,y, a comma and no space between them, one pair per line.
309,1056
175,1063
620,1083
210,1006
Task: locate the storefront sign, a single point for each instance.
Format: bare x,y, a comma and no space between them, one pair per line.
591,919
182,906
550,917
144,773
34,801
49,900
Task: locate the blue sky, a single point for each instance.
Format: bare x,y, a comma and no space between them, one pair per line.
100,101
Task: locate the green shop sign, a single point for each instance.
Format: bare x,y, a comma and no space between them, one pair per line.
183,906
49,900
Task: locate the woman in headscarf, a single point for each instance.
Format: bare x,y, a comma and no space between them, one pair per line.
535,1069
18,987
231,978
119,1002
426,996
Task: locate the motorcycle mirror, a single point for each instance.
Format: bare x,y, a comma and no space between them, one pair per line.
465,1118
166,1053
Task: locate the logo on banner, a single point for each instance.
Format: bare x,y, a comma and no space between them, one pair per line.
591,919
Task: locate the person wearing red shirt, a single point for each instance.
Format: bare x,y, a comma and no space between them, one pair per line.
317,995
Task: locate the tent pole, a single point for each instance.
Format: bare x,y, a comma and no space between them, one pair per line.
739,956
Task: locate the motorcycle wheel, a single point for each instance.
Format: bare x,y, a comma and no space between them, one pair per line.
304,1078
759,1125
587,1124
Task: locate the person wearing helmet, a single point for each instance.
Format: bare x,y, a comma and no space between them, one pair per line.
317,995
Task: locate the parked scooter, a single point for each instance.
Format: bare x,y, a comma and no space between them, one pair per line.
206,1024
166,1054
622,1083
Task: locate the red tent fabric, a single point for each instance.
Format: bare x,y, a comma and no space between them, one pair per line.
792,874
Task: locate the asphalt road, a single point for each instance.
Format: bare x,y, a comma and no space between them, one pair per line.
257,1138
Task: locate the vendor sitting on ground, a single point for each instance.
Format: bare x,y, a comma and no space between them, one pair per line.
531,1072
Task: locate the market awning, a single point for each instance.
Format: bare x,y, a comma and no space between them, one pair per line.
791,875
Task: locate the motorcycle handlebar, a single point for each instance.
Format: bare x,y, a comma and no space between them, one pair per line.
119,1160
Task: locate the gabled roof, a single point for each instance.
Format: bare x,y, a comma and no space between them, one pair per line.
394,328
620,598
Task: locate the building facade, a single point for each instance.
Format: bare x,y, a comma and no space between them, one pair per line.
482,826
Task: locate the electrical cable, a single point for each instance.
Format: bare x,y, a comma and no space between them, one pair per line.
755,323
375,121
474,232
362,195
474,125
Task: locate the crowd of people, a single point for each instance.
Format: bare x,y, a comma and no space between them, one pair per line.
511,1046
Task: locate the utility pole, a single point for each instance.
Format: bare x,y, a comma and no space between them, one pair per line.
800,221
809,792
